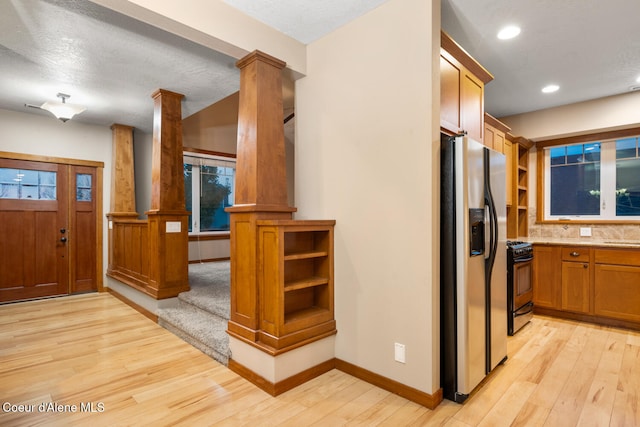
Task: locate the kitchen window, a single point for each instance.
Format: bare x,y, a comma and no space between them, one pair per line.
209,183
597,180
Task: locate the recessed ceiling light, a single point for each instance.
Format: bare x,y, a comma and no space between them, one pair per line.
550,88
638,79
508,32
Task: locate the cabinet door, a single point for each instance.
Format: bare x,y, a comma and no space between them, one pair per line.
450,74
498,141
546,276
575,286
489,135
617,291
472,106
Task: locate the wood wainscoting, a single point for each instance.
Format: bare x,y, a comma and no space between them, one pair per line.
129,252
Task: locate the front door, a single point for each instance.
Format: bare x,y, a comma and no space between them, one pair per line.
47,229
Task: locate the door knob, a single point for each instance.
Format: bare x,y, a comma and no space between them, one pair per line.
63,230
63,239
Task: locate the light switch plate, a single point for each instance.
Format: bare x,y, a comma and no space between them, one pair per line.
585,231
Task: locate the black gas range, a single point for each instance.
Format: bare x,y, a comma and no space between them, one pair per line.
519,284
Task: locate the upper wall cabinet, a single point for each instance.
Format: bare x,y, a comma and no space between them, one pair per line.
494,133
462,81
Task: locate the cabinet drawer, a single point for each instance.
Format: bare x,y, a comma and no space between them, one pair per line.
575,253
617,257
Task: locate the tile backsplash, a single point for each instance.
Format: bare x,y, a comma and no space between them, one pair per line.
625,232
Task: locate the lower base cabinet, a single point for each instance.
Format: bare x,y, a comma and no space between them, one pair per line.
547,270
617,284
599,284
576,279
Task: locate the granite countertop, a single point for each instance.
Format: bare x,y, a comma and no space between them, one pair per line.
585,241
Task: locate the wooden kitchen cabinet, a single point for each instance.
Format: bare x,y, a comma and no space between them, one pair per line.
518,187
596,284
495,133
576,279
617,284
462,81
547,269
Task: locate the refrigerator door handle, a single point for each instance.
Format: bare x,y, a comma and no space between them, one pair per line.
490,260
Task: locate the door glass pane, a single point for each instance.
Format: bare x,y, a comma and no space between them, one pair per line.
27,184
83,187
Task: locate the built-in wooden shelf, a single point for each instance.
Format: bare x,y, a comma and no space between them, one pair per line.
305,255
305,283
296,280
518,212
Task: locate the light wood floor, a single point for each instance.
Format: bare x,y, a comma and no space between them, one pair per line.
95,349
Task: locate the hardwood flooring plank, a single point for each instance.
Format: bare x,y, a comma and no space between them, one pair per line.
552,384
567,409
94,349
508,407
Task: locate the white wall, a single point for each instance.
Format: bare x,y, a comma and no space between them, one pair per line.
610,113
45,136
143,159
365,157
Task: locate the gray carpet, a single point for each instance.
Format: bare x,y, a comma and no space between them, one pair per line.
201,314
210,287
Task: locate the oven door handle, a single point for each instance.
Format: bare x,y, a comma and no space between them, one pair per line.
528,307
519,260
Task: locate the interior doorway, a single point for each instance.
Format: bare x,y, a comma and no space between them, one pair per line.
49,233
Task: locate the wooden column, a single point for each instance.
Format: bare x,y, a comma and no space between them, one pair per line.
261,185
123,193
168,228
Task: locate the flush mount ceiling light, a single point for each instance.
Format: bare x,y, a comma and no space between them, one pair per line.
550,88
61,110
508,32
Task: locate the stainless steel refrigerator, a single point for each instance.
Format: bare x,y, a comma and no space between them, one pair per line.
473,270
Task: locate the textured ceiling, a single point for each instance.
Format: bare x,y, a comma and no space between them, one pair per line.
112,63
104,60
305,20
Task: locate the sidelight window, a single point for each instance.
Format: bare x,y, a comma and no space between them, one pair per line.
597,180
209,188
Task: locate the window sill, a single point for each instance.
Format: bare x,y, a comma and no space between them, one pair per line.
588,221
213,235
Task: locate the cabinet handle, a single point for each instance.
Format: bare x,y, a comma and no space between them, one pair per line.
585,265
575,253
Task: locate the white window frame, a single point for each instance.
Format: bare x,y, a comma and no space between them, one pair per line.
607,185
197,160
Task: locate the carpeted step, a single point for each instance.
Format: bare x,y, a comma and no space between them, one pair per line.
208,300
203,330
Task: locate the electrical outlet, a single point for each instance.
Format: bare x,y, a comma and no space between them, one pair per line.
400,353
585,231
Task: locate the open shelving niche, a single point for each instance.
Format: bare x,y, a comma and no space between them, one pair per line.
518,212
296,282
